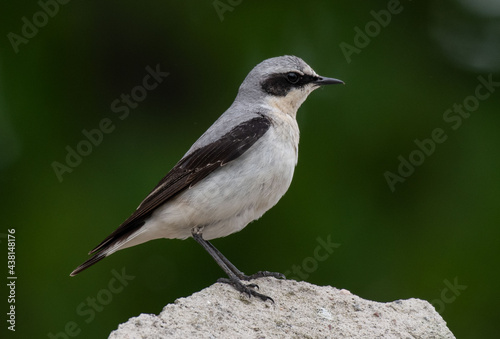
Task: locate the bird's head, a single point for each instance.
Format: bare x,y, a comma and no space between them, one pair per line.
283,82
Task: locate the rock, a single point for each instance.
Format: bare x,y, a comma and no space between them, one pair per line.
301,310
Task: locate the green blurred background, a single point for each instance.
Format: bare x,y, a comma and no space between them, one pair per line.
438,228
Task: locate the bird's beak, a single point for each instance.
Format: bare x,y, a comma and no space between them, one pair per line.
327,81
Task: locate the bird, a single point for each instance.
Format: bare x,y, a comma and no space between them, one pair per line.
236,171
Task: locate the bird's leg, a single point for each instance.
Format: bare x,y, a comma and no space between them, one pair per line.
242,275
233,279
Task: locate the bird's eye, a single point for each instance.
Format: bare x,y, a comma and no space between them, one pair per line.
293,77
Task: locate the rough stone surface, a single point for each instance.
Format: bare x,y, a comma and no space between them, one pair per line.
301,310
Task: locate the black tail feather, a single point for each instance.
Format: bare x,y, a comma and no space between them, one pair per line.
119,234
96,258
101,251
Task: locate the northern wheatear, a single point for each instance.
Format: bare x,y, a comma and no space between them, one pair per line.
236,171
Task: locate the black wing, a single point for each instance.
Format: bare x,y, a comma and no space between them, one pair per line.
186,173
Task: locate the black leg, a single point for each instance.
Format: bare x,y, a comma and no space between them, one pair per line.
242,275
233,273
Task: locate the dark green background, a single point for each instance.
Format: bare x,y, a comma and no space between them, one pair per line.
438,227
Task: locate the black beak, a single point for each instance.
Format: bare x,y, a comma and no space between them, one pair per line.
320,81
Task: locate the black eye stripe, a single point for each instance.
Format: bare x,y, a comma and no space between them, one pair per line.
305,79
279,84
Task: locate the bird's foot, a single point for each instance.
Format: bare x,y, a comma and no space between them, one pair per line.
247,289
262,274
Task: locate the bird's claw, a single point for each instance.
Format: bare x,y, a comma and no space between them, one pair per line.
247,289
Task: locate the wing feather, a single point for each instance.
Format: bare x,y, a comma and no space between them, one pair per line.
189,171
